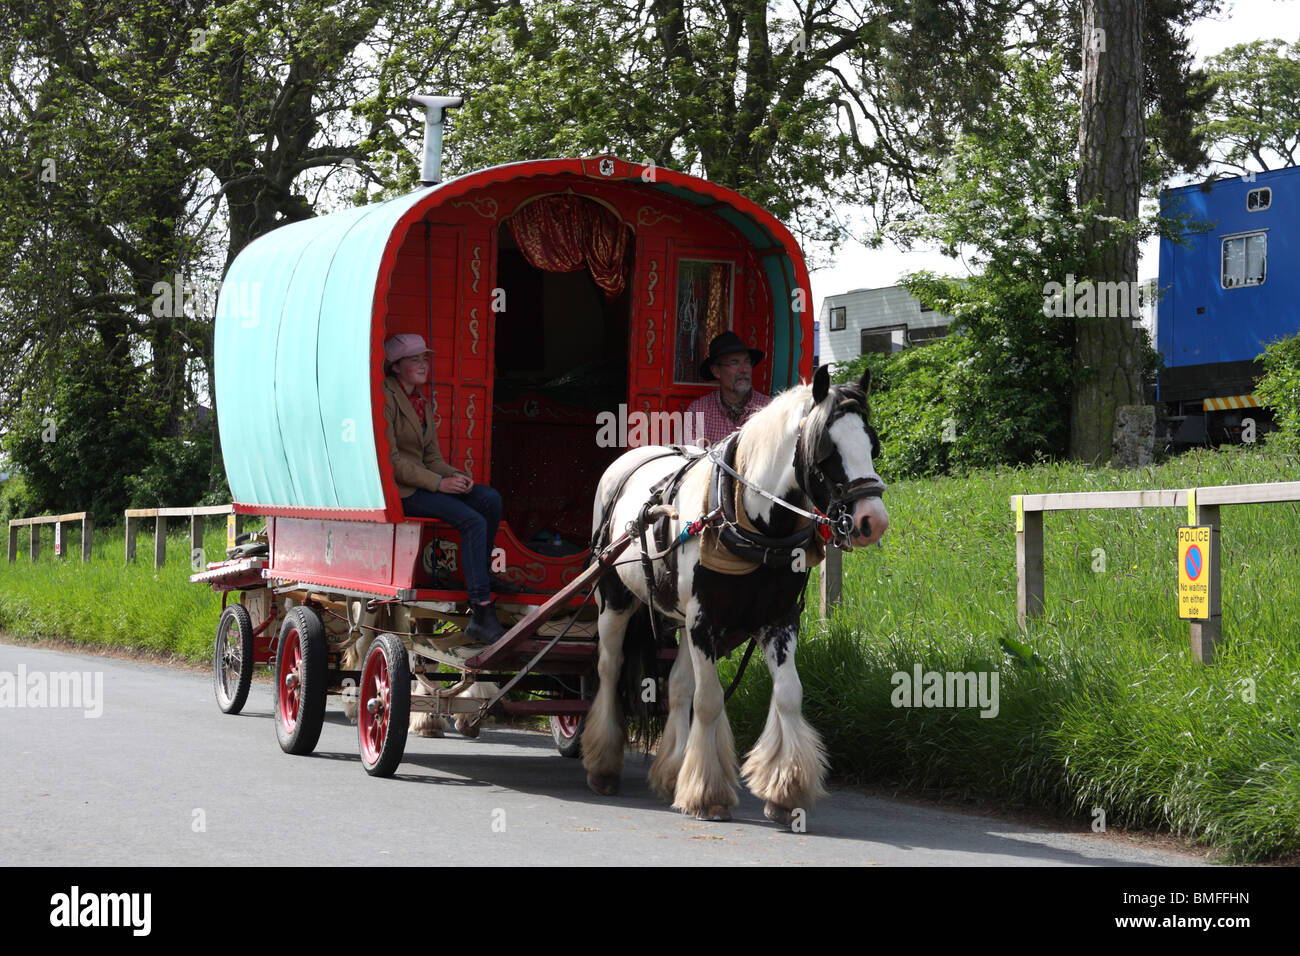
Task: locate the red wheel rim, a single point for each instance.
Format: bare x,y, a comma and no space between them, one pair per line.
568,724
374,723
290,689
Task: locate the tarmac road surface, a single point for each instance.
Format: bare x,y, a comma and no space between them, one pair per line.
161,777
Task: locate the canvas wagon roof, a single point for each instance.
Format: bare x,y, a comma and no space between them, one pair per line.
299,335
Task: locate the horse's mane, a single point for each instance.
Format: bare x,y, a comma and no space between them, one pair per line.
765,437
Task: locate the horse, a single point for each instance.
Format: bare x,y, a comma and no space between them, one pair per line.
812,446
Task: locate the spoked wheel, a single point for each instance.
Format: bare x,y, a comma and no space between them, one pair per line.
384,706
300,662
232,659
566,730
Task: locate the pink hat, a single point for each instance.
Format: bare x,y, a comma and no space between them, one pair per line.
404,346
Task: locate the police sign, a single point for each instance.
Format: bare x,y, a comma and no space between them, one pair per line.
1194,572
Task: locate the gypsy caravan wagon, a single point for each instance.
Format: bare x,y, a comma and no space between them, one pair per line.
569,304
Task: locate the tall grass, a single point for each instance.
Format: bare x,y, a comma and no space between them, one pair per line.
109,602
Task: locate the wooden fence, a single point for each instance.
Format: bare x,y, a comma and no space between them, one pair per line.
1202,506
34,524
160,516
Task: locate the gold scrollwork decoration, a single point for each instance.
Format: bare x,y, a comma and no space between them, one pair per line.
649,215
474,264
473,330
652,280
486,207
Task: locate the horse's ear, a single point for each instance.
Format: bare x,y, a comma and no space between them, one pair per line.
821,383
865,381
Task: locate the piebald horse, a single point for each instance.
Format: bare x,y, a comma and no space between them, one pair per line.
812,446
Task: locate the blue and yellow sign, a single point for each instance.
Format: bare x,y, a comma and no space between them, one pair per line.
1194,572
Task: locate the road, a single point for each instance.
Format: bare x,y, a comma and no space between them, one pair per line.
161,777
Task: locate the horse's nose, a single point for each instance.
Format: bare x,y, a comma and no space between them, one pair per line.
873,520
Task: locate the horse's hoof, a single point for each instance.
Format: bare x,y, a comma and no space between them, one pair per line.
466,728
717,812
605,784
776,813
425,726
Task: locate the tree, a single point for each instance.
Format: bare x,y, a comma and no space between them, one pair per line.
1253,121
142,146
834,106
1107,363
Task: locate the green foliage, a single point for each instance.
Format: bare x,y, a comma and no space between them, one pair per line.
1279,388
997,389
15,500
1253,120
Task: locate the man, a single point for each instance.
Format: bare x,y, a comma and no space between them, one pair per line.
731,364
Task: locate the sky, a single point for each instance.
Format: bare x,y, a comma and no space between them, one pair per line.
858,267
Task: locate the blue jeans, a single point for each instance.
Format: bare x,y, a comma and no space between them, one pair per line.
476,515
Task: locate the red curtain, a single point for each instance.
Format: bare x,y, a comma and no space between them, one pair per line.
561,233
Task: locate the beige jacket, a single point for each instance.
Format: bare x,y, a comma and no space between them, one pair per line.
413,450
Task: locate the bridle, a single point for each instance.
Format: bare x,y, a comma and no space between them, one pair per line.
812,479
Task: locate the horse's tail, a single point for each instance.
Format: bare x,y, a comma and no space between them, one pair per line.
640,687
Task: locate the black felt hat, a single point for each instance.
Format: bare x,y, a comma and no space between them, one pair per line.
725,344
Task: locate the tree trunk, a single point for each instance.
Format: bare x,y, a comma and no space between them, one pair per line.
1107,362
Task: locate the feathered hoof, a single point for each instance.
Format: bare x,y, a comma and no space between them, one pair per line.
776,813
718,812
605,784
350,711
426,725
466,728
785,816
663,779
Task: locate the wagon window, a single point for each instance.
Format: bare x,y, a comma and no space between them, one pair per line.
704,296
1244,260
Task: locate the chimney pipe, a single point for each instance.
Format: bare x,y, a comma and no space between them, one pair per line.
434,108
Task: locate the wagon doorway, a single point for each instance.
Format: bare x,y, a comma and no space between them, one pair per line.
564,270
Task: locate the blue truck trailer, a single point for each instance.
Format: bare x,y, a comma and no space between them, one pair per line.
1225,293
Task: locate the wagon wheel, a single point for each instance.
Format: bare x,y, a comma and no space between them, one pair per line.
232,659
566,729
384,706
300,664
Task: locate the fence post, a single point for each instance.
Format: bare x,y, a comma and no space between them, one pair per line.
1029,563
34,546
1205,634
159,542
13,542
87,531
130,539
196,538
831,580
